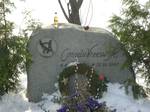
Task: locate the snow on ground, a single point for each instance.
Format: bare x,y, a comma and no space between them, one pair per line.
18,103
115,98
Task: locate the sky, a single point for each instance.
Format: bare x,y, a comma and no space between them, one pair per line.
100,11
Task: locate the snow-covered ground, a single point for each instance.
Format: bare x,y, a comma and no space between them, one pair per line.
115,98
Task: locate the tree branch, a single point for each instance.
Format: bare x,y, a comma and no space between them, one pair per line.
5,22
79,3
69,11
73,4
63,10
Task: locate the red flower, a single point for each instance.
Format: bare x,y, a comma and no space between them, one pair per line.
101,77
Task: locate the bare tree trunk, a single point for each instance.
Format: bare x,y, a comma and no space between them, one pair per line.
73,7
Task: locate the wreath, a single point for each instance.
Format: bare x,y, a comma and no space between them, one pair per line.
97,82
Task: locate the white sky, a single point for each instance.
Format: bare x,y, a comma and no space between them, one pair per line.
44,11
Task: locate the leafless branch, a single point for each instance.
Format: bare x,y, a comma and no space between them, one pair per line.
63,10
79,3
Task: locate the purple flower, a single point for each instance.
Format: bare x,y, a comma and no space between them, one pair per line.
80,108
93,104
63,109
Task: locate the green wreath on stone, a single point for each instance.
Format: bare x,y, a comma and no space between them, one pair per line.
97,88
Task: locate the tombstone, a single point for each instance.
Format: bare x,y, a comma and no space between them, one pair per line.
52,49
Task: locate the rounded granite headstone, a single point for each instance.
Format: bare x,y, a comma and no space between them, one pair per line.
53,49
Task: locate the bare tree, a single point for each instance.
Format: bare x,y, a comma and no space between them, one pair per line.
73,7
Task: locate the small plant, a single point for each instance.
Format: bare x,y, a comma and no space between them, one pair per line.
74,104
137,90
